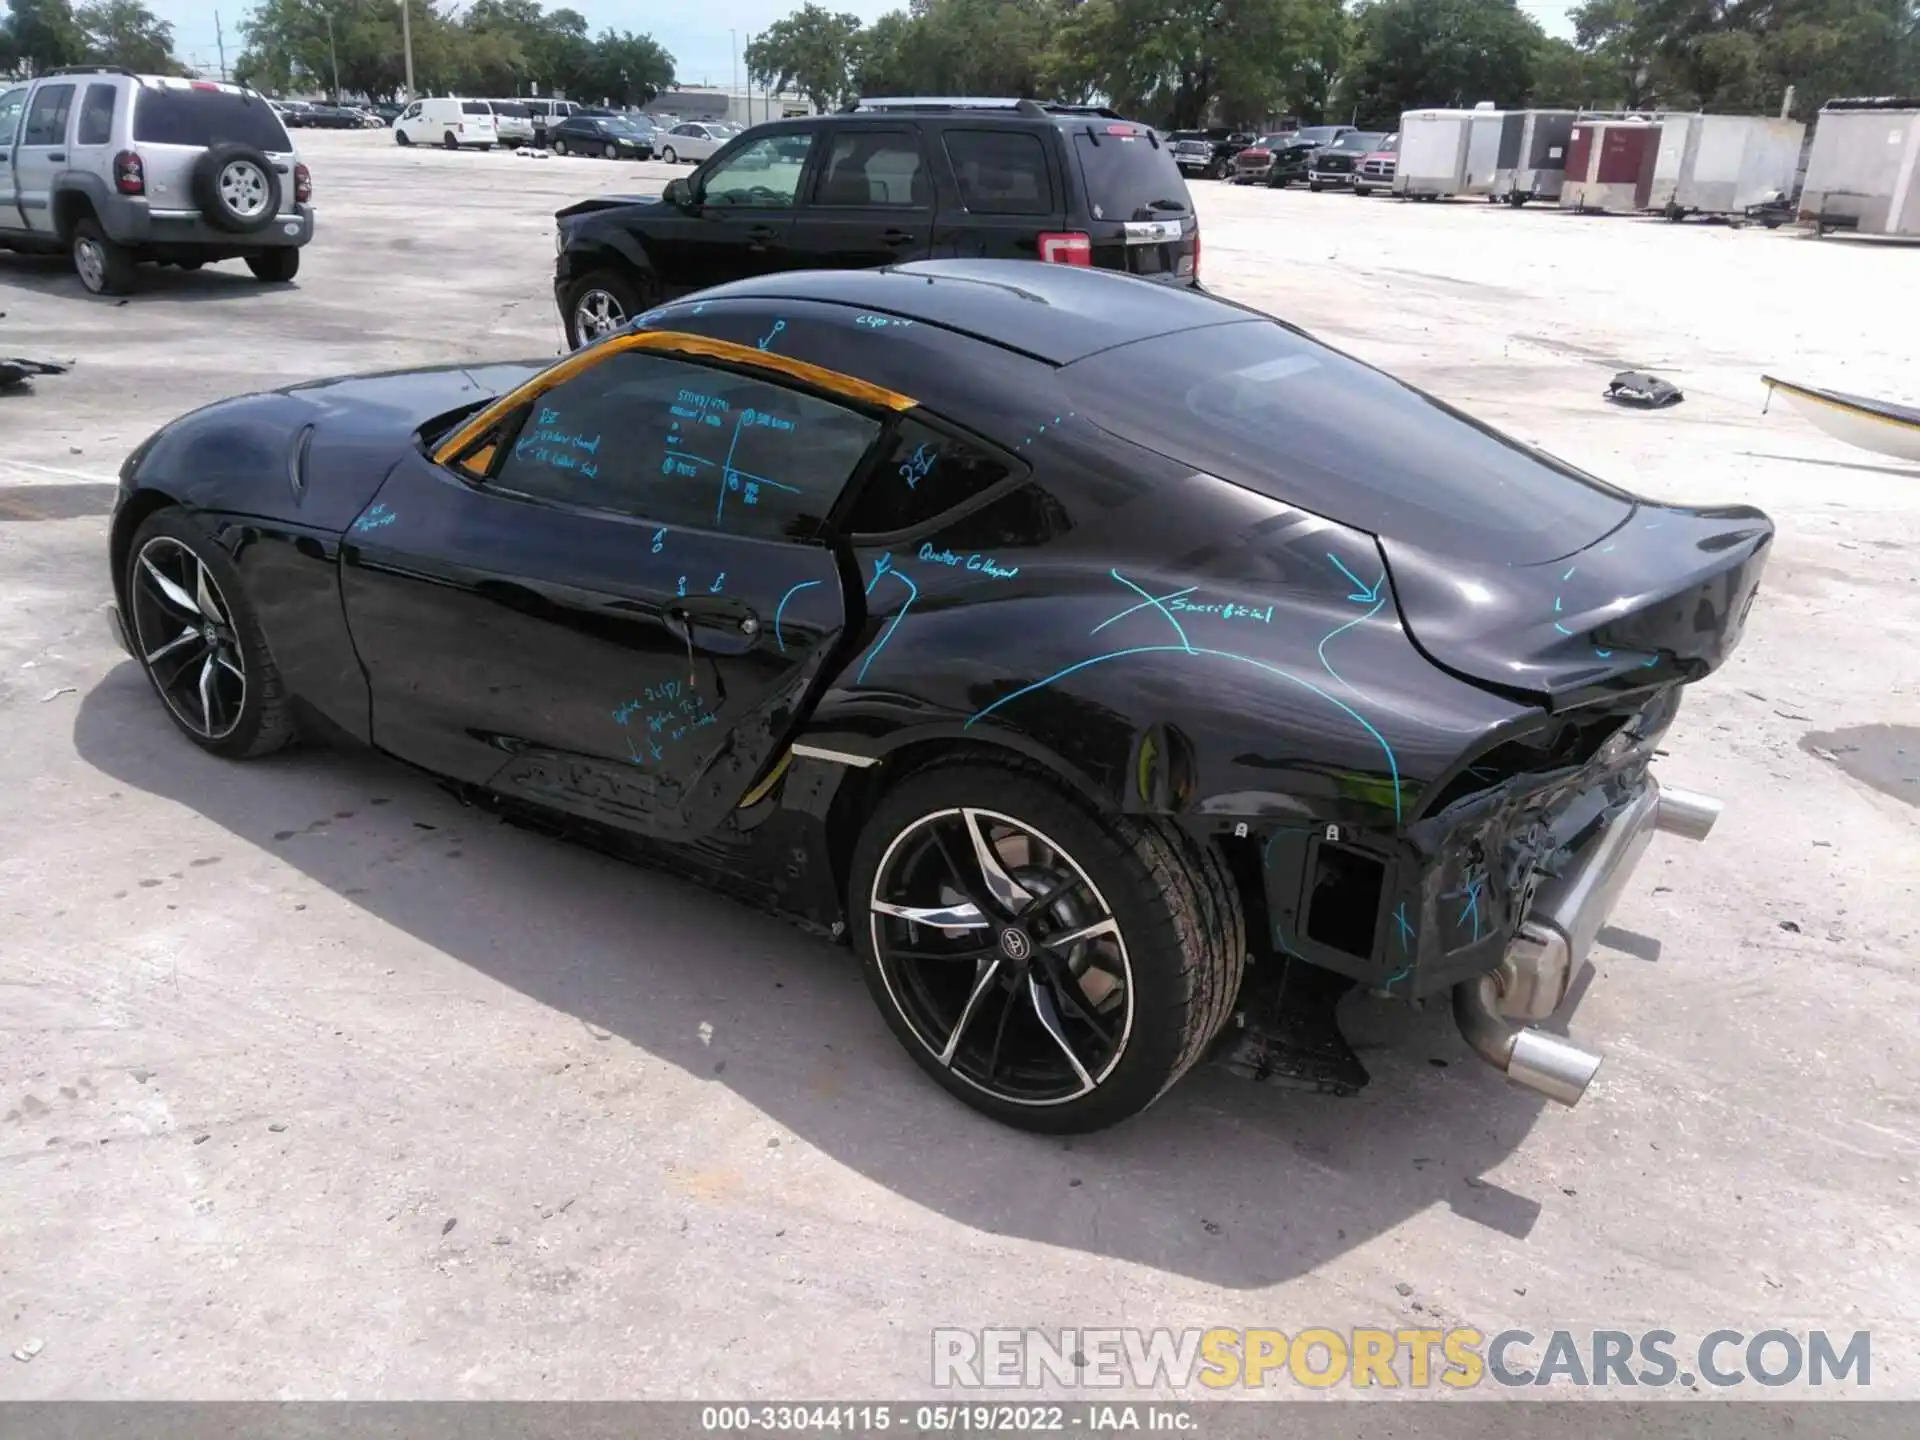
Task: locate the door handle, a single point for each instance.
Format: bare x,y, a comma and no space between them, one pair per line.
897,237
56,155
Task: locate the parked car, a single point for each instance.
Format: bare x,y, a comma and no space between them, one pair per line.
119,169
448,121
1293,159
512,121
694,141
386,112
1375,171
1250,166
1209,153
615,137
545,113
892,181
1335,165
294,113
1061,643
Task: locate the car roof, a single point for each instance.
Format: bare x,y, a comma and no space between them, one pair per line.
1055,313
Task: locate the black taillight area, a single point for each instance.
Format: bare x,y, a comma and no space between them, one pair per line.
129,174
1343,899
1565,743
302,184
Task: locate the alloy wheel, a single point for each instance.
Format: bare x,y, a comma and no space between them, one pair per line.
90,262
1002,956
596,315
243,186
184,633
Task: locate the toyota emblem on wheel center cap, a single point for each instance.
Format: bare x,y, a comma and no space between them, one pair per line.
1015,945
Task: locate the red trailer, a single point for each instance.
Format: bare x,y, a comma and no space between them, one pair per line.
1610,165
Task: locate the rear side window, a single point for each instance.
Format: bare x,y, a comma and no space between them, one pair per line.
475,107
171,116
47,118
1001,172
1267,408
96,116
1128,177
925,474
875,168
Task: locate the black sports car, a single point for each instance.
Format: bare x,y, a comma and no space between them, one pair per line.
1102,660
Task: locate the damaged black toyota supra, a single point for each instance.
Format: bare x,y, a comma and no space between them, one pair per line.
1121,671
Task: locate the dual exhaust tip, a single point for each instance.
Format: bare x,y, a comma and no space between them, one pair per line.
1543,1063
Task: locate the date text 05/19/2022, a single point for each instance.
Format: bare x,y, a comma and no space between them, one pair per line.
878,1418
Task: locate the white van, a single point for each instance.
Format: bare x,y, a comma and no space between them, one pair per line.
449,121
545,114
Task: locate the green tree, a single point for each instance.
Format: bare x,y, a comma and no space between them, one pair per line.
128,34
42,34
626,69
1416,53
812,49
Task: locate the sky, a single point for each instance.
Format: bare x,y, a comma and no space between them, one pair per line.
702,49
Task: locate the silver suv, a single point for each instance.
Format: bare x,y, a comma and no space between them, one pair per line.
118,168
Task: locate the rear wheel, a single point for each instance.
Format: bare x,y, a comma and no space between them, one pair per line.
559,147
1055,971
669,157
197,638
104,266
275,266
451,141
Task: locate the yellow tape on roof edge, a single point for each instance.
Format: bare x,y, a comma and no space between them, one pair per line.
677,342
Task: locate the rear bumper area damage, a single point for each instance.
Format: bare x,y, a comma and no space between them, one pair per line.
1537,971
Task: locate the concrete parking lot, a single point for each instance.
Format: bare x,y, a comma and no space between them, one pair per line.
315,1084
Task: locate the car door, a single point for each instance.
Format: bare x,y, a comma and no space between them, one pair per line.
409,121
870,202
42,153
740,213
13,107
616,600
1006,195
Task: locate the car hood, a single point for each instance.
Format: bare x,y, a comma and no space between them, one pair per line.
647,204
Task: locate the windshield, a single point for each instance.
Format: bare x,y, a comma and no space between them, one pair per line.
1271,141
1359,141
1392,142
628,126
169,116
1316,135
1266,407
1128,177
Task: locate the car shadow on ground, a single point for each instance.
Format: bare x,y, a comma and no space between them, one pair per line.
1234,1184
217,280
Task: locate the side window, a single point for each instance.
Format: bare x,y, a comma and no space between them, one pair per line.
875,167
413,111
679,444
1001,172
765,174
924,474
11,105
47,119
96,116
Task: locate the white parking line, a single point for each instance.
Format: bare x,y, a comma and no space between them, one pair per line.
57,472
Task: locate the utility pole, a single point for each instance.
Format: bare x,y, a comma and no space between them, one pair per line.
220,39
734,93
406,40
335,56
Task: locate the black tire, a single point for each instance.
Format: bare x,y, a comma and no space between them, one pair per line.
265,719
104,266
1182,940
1315,186
1516,199
451,142
237,189
611,152
1362,190
559,147
276,266
622,291
668,157
400,136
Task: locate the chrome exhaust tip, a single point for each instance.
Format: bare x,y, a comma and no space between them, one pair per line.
1686,813
1543,1063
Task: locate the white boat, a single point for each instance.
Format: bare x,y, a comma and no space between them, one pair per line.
1876,425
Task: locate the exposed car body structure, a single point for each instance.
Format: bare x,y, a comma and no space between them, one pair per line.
1070,642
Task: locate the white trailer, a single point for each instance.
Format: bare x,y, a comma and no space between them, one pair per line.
1483,150
1733,164
1860,174
1677,132
1433,154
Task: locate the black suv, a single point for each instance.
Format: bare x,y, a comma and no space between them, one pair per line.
882,183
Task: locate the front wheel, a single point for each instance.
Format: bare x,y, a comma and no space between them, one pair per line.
400,137
598,305
195,634
669,157
1361,190
1054,970
560,147
612,152
277,266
